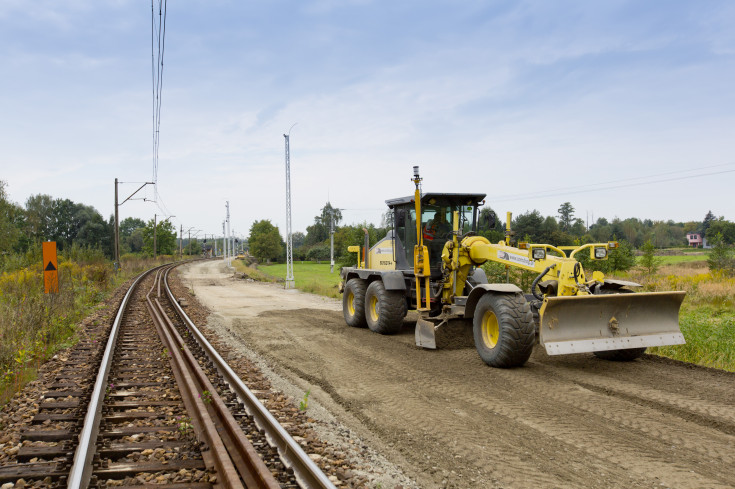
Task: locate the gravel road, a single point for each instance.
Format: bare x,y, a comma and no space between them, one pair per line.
445,419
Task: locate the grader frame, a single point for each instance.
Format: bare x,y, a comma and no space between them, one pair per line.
567,310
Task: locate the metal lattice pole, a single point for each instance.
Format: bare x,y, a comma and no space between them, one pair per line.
331,239
229,244
290,282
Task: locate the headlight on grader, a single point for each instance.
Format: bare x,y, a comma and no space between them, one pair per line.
600,253
538,253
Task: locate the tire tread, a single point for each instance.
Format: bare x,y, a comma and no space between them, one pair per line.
392,304
357,287
517,330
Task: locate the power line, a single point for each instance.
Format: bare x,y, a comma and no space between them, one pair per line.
596,187
158,33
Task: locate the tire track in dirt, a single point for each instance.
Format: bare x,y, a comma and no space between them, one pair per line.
576,403
605,417
717,416
572,422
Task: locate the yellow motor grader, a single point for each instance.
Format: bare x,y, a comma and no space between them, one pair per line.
429,262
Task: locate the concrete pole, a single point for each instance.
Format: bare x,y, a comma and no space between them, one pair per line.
155,241
229,236
331,241
117,233
181,238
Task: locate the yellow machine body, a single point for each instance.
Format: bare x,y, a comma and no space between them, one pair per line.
572,318
577,312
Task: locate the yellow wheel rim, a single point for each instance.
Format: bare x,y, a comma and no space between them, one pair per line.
374,314
351,303
490,329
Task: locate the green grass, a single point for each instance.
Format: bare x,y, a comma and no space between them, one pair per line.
252,272
710,338
34,325
309,277
674,259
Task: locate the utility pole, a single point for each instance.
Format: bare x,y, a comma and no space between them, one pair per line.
155,229
117,233
331,239
290,281
229,245
117,221
181,238
224,243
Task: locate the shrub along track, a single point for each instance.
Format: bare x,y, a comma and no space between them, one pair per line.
150,428
449,420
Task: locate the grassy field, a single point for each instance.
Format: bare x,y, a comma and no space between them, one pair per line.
34,325
707,317
688,258
309,277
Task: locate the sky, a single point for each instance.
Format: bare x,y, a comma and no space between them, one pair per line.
623,108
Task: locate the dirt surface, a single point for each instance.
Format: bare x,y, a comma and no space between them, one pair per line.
447,420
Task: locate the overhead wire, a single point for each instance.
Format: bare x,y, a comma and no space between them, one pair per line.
158,49
610,185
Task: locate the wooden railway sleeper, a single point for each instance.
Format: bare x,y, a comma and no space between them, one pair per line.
250,465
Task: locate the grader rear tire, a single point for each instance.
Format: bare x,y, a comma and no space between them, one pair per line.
353,303
504,330
384,309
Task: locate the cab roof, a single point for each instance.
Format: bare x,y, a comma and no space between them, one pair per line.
462,199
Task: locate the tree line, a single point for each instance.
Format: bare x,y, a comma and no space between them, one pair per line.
43,218
74,226
565,228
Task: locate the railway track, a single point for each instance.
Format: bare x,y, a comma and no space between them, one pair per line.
147,400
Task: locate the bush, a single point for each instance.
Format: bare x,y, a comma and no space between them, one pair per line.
721,257
496,274
318,253
620,259
650,263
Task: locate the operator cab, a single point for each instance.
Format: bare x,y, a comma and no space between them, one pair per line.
436,224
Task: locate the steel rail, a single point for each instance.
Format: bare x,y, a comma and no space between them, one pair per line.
204,424
244,456
306,472
232,452
81,469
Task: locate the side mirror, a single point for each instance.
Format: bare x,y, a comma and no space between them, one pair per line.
400,217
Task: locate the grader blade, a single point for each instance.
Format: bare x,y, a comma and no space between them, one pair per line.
577,324
425,337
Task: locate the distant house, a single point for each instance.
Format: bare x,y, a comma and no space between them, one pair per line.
697,240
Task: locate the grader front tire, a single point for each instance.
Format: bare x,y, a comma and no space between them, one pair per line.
384,309
353,303
504,330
